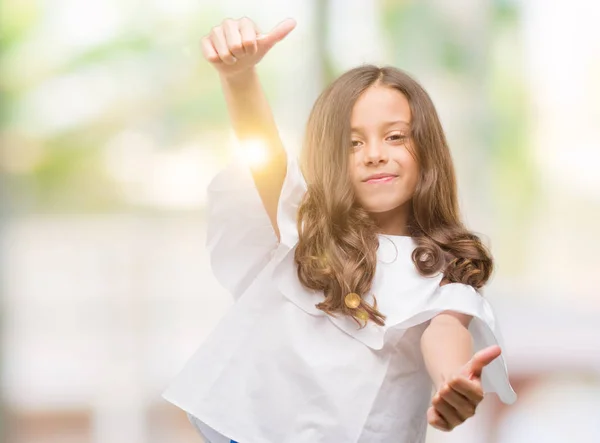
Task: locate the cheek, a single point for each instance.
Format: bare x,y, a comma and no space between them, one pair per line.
412,175
410,168
353,167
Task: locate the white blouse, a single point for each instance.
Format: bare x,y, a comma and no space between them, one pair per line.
277,369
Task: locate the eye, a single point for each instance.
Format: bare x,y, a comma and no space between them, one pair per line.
398,137
356,143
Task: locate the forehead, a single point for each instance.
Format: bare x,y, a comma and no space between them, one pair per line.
378,105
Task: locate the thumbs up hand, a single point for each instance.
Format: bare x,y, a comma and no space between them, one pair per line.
457,399
236,46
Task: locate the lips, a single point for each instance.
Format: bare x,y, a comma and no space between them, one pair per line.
380,178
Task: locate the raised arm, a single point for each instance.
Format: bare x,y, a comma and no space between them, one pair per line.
234,48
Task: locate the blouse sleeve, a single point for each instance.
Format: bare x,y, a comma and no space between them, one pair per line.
240,239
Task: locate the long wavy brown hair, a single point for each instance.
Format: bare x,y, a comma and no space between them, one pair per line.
337,248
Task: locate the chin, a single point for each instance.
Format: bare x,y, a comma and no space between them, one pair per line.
377,206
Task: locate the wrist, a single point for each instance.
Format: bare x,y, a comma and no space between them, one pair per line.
241,78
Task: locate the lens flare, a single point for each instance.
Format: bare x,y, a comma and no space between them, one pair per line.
252,152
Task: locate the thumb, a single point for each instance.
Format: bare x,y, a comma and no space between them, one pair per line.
480,360
278,33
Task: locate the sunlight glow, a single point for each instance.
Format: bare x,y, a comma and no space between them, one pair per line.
252,152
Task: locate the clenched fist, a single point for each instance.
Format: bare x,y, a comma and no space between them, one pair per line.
235,46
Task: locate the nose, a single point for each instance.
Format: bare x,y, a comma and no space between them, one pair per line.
375,153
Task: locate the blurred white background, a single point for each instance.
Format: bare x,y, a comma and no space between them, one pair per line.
112,126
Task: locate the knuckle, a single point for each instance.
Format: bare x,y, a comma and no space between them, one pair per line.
466,411
438,424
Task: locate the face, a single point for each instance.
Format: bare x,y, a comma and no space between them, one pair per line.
383,170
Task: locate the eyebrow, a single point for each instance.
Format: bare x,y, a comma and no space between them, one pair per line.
385,124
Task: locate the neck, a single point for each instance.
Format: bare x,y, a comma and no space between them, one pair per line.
394,222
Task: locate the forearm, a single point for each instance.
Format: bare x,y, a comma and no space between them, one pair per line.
446,346
250,113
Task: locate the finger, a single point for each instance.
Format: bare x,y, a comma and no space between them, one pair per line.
447,412
436,420
278,33
464,408
483,358
209,51
281,30
248,32
470,389
233,38
217,37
